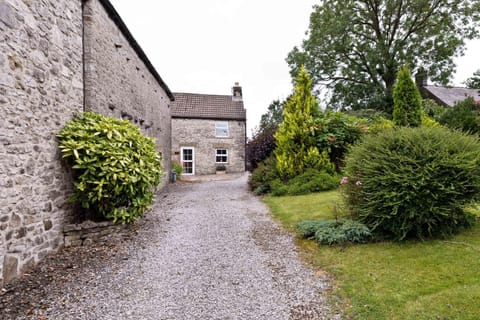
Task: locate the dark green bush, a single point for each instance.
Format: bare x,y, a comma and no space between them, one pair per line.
334,231
310,181
335,132
465,116
413,182
116,168
262,177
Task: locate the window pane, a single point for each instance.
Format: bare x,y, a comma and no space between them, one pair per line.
221,129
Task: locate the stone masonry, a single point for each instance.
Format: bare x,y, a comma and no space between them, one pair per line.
119,84
41,88
200,134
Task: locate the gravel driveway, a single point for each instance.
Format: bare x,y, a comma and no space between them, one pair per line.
208,250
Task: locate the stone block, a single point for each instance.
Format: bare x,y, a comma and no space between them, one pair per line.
10,268
7,15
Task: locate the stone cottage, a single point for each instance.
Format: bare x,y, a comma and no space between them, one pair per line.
209,132
57,58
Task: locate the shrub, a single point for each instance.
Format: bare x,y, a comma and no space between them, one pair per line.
413,182
465,116
334,231
116,168
262,177
335,133
177,167
433,109
407,101
260,147
310,181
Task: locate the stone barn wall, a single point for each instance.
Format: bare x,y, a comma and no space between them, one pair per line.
41,87
45,78
120,81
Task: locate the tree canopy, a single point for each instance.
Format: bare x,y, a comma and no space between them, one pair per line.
474,81
355,48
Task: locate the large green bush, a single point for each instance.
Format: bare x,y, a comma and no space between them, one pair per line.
413,182
116,168
464,115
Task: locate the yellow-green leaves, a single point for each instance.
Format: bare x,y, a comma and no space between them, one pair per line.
116,167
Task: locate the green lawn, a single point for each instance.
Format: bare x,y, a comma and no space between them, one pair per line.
436,279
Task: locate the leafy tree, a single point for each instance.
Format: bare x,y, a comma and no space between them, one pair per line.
407,101
474,81
273,117
355,48
262,144
296,146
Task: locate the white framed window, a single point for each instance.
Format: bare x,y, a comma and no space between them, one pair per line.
221,129
188,160
221,156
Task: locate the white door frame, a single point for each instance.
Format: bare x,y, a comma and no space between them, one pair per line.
192,161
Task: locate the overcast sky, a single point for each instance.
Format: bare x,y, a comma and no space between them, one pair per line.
206,46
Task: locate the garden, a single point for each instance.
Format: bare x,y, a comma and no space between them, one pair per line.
386,204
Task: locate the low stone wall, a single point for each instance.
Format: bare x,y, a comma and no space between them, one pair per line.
89,232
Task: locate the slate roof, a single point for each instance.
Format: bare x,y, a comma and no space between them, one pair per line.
448,96
207,106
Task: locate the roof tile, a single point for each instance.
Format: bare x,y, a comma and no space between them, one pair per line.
207,106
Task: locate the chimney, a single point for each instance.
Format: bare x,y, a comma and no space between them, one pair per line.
421,78
237,92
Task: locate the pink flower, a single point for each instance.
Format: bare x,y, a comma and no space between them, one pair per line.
358,183
344,180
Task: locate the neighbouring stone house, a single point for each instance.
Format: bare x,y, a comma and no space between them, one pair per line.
57,58
448,96
445,96
209,132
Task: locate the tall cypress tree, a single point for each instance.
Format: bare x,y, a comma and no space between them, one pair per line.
407,101
296,147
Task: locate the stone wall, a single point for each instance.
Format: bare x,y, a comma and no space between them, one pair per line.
119,82
42,84
200,134
41,87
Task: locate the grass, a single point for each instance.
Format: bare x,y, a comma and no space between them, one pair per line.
435,279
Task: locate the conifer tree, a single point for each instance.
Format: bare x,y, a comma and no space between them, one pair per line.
407,101
296,147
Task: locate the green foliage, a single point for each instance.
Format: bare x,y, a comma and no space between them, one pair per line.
380,124
273,117
407,102
335,132
433,109
413,182
177,167
355,48
262,177
308,182
296,146
334,231
474,81
116,168
465,116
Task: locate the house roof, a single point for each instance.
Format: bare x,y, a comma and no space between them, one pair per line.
113,14
448,96
207,106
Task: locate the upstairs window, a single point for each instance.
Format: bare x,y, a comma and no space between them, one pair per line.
221,156
221,129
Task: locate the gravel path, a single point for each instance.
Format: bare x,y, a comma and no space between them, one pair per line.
207,251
